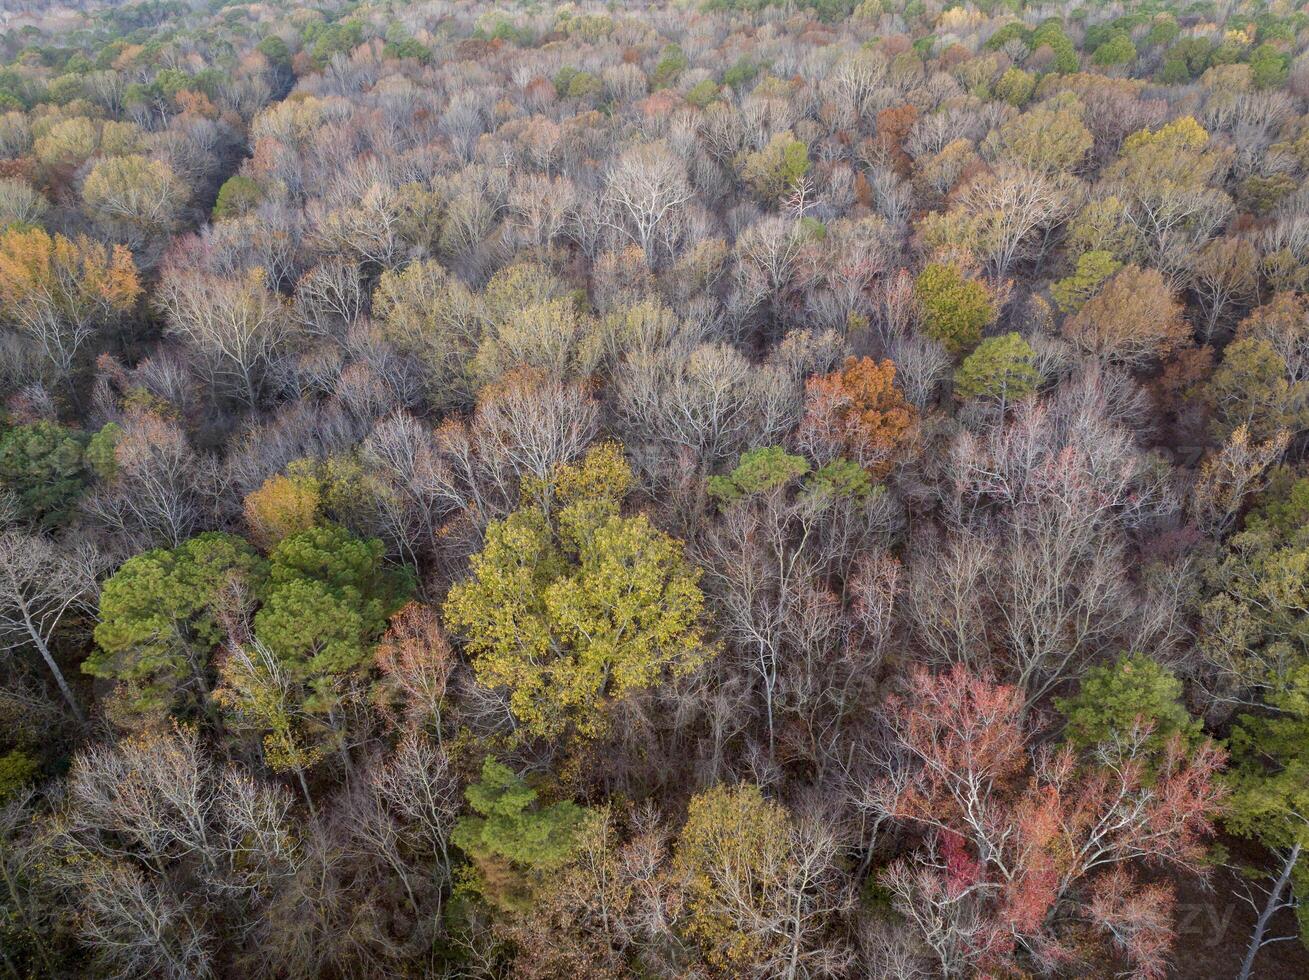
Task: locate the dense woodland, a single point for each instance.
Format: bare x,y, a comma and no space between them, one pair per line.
692,490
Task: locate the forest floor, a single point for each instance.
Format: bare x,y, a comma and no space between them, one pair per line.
1214,925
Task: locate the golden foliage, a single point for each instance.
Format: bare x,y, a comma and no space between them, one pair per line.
63,274
282,506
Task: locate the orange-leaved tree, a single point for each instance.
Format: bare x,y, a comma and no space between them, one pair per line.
858,412
59,291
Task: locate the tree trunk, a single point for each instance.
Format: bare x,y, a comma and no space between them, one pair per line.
60,680
304,788
1271,908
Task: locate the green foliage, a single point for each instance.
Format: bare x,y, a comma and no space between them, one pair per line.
407,47
1187,59
17,769
237,196
841,478
1051,138
734,840
1012,31
1230,52
955,309
513,840
1276,29
1001,368
811,229
42,464
1283,508
1173,71
582,85
1164,30
770,468
571,604
1050,31
775,169
1252,387
1015,86
1065,57
256,695
1260,194
1119,50
758,471
571,83
1051,34
1268,66
1270,755
159,618
1254,625
434,318
1093,269
275,50
100,451
826,10
672,62
169,81
742,73
327,601
498,27
510,824
65,89
1106,32
1116,701
327,40
831,11
703,94
1269,780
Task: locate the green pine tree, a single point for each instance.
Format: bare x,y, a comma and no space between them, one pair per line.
1002,369
513,840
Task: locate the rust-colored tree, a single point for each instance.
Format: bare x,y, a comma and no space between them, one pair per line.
1133,321
415,661
858,412
893,126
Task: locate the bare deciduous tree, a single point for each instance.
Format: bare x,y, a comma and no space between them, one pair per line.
237,327
647,190
44,585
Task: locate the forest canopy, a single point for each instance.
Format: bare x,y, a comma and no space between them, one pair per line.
699,489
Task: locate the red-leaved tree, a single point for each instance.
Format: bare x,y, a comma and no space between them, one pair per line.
1027,847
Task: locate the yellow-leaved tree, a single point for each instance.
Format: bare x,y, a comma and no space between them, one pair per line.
759,885
572,605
